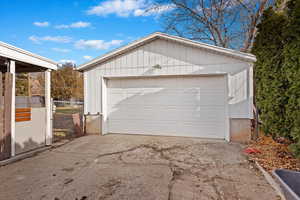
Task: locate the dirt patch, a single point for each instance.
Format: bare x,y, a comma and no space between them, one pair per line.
272,154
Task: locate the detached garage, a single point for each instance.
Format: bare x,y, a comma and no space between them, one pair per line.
172,86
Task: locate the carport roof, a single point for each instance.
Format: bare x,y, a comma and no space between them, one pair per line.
158,35
29,59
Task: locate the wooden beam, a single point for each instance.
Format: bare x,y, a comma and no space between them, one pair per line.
7,116
20,110
21,115
23,119
1,118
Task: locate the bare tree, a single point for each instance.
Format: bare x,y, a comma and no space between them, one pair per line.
225,23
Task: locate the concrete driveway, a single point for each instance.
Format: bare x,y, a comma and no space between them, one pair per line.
135,168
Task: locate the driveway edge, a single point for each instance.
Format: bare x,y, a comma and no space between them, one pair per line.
271,181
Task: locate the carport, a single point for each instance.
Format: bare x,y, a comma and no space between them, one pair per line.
25,121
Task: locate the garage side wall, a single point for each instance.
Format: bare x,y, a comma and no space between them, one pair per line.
163,57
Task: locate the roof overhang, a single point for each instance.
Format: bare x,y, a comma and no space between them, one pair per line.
13,53
158,35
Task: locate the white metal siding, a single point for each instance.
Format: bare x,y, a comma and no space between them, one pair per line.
176,106
175,59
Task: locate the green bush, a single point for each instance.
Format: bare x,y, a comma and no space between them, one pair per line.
292,70
277,73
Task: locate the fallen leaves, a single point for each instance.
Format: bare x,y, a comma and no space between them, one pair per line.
271,154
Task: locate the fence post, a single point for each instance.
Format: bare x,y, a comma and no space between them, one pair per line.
1,118
6,140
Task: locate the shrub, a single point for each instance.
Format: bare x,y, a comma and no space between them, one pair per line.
277,73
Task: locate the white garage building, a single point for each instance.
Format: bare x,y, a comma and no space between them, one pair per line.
168,85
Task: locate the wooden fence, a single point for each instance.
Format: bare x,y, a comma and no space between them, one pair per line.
5,115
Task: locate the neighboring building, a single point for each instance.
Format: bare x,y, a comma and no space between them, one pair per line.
25,121
168,85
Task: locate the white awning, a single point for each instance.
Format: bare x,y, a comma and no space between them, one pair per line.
17,54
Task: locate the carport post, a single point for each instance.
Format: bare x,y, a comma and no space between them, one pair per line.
48,106
12,70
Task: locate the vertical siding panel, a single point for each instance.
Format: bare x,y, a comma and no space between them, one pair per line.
129,62
177,61
111,68
118,65
194,59
151,55
146,58
188,56
155,61
164,61
168,63
147,55
133,68
173,57
122,64
105,69
140,60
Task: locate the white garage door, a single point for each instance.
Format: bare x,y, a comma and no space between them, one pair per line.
175,106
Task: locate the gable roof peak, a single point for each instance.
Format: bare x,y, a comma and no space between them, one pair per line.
220,50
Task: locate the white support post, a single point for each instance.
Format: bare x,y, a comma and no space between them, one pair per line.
104,105
48,106
12,70
85,94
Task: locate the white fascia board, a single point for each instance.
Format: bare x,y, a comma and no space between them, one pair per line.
17,54
223,51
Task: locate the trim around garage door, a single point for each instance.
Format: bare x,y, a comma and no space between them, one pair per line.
104,103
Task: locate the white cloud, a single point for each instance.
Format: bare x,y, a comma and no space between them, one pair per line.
96,44
153,10
62,26
79,24
41,24
61,50
125,8
87,57
59,39
65,61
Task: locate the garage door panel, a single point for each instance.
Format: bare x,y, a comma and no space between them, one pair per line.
200,99
145,113
208,82
140,127
167,127
195,129
182,106
202,114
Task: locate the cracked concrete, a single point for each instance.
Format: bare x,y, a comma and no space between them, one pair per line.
115,167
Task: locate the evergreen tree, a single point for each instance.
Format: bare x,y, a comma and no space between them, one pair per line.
269,75
277,72
292,70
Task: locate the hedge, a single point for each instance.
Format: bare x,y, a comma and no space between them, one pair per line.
277,73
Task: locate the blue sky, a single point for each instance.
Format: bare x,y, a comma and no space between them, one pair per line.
76,30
